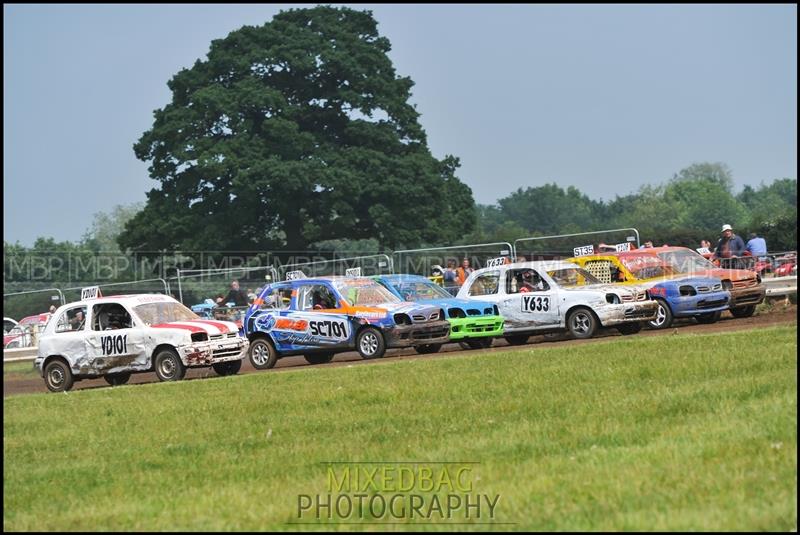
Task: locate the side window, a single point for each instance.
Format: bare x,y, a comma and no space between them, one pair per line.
315,297
524,280
279,297
485,284
109,317
72,319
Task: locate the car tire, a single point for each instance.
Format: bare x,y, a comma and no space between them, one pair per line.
708,318
664,316
517,339
370,343
117,379
480,343
262,354
743,312
230,367
318,358
582,323
427,349
168,365
58,376
629,328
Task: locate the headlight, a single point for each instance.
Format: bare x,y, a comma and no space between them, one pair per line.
402,319
199,337
727,285
456,313
613,299
687,290
496,310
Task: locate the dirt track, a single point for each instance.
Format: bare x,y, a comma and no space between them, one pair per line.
14,384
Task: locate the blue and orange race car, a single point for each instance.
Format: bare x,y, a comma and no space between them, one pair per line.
320,317
475,323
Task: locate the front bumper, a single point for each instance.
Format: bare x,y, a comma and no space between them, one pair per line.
627,313
747,296
435,332
692,305
214,351
476,327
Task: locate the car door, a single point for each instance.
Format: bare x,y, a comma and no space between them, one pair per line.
114,343
318,311
529,301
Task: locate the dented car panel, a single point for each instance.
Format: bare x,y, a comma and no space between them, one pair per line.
544,301
93,349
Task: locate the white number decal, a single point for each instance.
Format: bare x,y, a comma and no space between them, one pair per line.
583,251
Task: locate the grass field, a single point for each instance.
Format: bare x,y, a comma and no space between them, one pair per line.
695,432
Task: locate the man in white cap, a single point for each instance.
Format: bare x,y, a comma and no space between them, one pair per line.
729,245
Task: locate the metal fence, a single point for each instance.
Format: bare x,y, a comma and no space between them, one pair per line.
426,260
377,264
196,286
564,245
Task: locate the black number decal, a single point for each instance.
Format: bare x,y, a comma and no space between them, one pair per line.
114,345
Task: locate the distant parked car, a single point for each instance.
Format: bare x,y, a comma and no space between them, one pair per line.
25,332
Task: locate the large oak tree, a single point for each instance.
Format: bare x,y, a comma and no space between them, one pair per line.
295,132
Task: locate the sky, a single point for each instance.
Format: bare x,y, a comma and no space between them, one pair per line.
604,98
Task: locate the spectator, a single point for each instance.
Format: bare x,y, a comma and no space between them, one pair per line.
449,275
756,245
463,272
251,296
705,244
729,245
52,309
235,296
647,245
521,258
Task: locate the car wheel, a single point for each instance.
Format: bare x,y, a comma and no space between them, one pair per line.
663,316
318,358
117,379
743,312
231,367
57,376
708,317
582,323
169,366
629,328
517,339
427,349
262,354
370,343
481,343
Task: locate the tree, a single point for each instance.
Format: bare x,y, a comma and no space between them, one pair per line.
294,132
102,234
718,173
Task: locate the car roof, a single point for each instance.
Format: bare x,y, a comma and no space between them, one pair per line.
535,264
133,299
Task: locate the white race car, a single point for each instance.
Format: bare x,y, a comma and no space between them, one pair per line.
114,337
542,297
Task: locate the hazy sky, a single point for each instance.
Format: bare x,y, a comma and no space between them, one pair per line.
605,98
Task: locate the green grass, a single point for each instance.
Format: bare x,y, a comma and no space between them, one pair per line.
24,368
694,432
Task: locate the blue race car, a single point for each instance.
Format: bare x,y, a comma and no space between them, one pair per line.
320,317
476,323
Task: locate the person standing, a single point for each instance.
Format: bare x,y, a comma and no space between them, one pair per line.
235,296
463,272
449,274
756,245
729,245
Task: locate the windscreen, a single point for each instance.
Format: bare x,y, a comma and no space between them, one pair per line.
364,292
164,312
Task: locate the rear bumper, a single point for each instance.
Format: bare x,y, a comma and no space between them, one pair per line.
475,327
435,332
692,305
748,296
